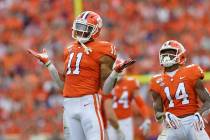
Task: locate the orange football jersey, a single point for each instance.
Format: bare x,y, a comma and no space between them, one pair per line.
82,71
123,96
178,91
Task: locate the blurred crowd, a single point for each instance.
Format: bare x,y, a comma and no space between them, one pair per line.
31,103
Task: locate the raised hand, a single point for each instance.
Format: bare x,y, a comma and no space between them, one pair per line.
43,56
124,64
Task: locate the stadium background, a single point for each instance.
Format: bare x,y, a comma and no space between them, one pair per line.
30,103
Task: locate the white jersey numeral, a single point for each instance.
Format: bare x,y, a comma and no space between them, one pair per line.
123,100
113,50
180,94
77,69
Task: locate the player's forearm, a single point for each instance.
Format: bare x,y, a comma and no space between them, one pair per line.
55,76
159,114
205,108
114,124
110,82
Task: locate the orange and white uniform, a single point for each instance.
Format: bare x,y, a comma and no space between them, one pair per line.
83,70
177,92
123,95
179,97
82,113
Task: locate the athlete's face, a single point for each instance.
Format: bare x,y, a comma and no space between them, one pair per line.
169,51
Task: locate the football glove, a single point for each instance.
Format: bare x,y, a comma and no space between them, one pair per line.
43,56
198,122
145,126
121,66
172,120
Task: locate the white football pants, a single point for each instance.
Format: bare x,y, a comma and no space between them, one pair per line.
185,132
126,125
82,118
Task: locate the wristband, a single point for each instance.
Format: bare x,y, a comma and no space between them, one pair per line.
48,63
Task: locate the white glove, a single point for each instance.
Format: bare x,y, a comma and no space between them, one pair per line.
198,122
120,134
145,126
172,120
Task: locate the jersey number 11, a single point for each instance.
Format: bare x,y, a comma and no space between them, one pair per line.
77,67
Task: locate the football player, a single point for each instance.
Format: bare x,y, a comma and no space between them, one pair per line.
126,91
175,93
88,68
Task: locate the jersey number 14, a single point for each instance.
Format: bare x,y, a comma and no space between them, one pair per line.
123,100
77,66
180,94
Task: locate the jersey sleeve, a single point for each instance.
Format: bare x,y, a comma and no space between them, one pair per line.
196,72
109,50
199,74
153,85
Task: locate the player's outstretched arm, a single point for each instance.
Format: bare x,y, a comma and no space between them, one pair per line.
44,58
109,76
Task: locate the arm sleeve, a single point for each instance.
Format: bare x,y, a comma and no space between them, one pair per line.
153,86
106,48
55,76
110,82
198,72
195,73
110,50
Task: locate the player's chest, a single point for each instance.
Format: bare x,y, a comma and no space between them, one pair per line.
78,59
177,87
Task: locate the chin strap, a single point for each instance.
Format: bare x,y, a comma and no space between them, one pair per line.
86,49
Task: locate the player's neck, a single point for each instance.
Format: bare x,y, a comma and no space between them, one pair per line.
172,68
